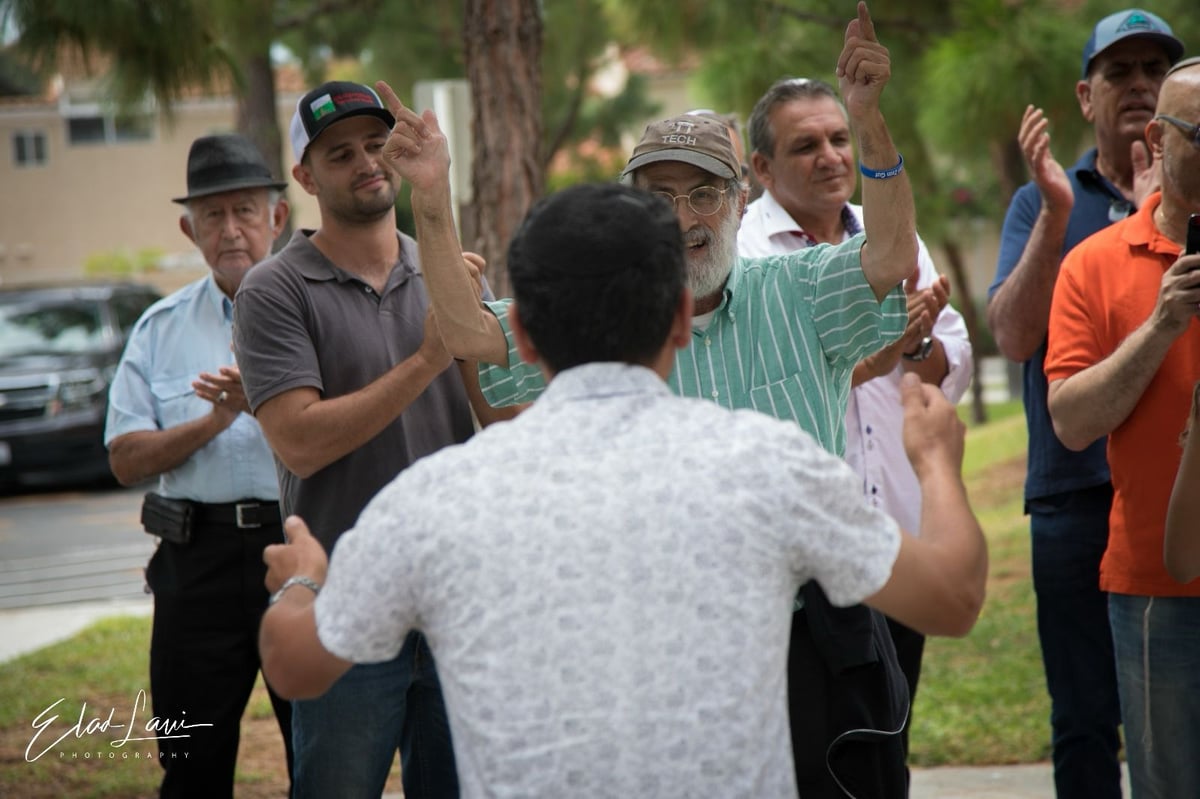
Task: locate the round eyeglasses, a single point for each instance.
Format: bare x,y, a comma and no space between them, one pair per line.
703,200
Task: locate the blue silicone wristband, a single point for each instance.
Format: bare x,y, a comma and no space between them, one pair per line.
882,174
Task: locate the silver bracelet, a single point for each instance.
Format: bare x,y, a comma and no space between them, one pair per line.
298,579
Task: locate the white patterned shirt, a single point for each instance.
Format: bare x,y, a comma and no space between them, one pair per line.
606,583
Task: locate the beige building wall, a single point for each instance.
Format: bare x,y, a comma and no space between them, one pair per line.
96,198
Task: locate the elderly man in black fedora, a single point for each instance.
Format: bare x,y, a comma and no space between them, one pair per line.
177,413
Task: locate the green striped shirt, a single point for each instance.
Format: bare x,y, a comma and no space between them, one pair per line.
784,341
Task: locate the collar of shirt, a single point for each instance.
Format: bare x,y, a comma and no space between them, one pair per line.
777,222
1141,231
604,379
319,268
1086,172
222,305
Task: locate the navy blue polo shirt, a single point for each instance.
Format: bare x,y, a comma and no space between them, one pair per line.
1052,467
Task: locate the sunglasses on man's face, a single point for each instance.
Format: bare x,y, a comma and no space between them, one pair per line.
1191,131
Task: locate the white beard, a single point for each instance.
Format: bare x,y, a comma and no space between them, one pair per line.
707,274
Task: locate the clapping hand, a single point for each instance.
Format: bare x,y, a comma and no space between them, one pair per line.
1049,176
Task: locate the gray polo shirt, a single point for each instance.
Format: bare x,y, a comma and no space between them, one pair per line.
299,320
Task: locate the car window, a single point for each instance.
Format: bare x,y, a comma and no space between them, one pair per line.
50,327
128,309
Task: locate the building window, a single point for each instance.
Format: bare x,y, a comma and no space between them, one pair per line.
29,148
85,130
107,129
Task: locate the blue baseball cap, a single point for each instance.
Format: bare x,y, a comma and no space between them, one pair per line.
1124,24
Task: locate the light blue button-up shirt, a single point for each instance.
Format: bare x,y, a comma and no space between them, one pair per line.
176,339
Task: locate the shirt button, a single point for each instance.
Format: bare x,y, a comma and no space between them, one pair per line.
715,393
868,429
874,489
708,342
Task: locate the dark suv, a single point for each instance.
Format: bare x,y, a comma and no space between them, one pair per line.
59,348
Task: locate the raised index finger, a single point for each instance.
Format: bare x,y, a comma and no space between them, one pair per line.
402,113
389,97
866,27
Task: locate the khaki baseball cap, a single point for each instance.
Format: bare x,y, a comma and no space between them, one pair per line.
694,140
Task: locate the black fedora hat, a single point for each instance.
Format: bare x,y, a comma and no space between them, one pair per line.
226,163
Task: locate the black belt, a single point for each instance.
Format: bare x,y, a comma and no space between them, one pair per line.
247,514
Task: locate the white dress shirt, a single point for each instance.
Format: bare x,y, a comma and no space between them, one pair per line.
874,418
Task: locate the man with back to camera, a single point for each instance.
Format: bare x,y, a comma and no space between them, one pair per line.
177,411
1068,495
802,154
345,372
1123,356
782,336
663,618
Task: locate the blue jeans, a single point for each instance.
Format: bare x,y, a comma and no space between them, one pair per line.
1069,535
1158,665
345,741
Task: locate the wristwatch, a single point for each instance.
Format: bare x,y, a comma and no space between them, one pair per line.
923,350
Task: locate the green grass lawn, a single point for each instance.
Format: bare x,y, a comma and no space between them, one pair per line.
982,699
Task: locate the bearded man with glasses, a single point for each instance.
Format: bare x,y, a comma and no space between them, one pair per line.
780,335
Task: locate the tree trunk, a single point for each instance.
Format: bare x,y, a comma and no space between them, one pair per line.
250,24
257,119
503,48
958,268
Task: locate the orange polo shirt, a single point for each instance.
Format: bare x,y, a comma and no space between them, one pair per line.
1107,287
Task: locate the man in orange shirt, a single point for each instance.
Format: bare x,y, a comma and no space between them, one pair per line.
1123,355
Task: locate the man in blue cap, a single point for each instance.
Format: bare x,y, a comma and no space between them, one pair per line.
1068,495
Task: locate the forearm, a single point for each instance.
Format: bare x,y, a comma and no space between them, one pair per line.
1019,312
469,331
1094,402
138,456
950,529
889,216
309,433
294,662
939,578
485,413
932,370
862,373
1181,547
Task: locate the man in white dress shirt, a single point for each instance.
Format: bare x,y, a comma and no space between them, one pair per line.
803,155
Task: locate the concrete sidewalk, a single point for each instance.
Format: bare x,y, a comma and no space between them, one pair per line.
28,629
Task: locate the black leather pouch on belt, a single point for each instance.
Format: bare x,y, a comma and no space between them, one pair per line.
169,519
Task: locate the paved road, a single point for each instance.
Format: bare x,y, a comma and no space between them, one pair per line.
72,545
